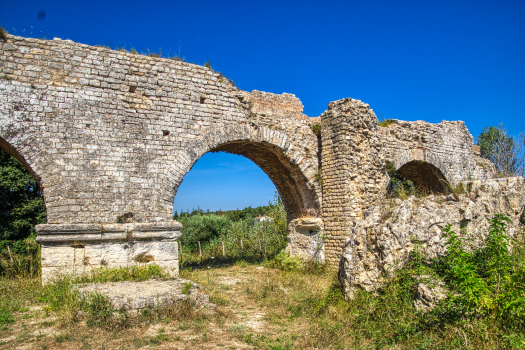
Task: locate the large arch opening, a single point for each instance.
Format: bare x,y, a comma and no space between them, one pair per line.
222,182
291,184
425,176
290,168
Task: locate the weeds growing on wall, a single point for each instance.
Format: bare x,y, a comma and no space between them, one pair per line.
316,128
385,122
3,34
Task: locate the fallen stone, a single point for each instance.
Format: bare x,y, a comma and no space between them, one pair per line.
133,296
428,293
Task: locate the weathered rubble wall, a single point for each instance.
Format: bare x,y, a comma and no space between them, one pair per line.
426,153
382,241
306,239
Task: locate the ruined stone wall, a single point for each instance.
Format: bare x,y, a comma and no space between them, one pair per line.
448,146
382,241
110,133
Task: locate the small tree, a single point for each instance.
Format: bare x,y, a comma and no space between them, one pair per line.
499,147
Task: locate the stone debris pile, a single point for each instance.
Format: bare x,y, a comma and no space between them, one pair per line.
133,296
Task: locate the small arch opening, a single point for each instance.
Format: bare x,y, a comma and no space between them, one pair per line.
417,178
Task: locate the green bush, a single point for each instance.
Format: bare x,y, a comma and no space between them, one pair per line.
489,282
202,228
286,262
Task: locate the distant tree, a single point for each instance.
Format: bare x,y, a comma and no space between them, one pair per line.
499,147
21,201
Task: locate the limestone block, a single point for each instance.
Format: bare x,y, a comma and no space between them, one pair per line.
305,239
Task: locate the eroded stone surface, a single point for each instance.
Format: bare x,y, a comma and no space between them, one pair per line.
130,295
429,291
382,241
305,239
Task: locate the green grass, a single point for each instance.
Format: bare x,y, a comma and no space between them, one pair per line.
386,123
133,273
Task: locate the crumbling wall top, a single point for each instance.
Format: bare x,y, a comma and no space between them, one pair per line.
284,105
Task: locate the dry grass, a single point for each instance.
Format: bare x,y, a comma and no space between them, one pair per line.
257,307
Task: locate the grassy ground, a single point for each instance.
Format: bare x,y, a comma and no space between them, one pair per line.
257,307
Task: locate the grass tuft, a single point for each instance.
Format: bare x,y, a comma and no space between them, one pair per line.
316,128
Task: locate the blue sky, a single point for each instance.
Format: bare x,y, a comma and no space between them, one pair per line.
410,60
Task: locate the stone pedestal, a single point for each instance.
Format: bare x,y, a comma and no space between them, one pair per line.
78,248
305,239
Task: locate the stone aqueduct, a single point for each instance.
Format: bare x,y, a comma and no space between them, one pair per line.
110,135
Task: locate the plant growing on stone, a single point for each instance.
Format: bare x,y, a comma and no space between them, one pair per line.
385,122
316,128
3,34
319,177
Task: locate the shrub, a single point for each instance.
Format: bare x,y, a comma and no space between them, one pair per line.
20,258
3,34
485,283
286,262
202,228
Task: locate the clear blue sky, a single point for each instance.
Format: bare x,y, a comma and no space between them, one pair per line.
410,60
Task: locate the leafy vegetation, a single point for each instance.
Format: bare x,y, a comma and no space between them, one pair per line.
259,241
484,308
21,203
399,186
502,150
385,122
3,34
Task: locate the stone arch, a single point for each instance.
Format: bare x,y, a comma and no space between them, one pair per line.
292,173
4,145
423,168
